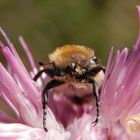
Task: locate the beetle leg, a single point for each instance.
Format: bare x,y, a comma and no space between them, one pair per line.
50,72
95,70
50,85
97,98
39,74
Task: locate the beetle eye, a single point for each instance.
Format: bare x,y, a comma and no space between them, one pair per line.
95,58
92,61
73,65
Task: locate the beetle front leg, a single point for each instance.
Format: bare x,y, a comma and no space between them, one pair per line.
96,93
50,85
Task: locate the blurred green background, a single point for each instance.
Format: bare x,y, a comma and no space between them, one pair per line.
47,24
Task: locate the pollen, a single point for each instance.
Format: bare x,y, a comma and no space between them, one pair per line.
132,123
67,54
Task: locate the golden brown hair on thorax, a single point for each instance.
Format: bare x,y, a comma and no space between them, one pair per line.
67,54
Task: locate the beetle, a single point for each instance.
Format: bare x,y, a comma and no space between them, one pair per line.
78,64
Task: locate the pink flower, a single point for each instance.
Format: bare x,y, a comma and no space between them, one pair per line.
121,90
119,110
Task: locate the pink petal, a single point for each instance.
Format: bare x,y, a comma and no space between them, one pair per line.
17,131
26,110
30,90
117,132
65,110
9,104
5,118
12,49
137,44
27,52
51,122
83,129
55,135
122,85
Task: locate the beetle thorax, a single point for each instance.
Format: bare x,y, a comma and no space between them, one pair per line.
68,54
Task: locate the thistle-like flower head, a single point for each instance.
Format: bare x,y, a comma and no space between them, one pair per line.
119,109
